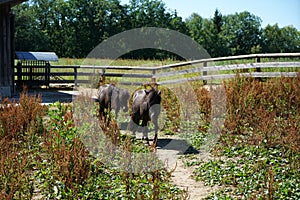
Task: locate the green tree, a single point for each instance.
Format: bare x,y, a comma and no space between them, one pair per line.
281,40
86,20
28,35
178,24
42,25
209,33
148,13
194,24
291,39
219,43
153,13
71,28
243,32
218,21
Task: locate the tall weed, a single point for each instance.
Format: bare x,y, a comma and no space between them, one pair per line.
20,130
263,112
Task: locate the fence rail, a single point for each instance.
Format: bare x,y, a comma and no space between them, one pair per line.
204,69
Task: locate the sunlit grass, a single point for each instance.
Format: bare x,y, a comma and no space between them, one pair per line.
118,62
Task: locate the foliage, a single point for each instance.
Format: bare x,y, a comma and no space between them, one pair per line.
73,28
253,172
281,40
172,107
257,156
209,33
242,42
20,131
43,156
226,35
263,111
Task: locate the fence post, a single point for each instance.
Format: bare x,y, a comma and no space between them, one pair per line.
153,79
103,76
257,60
75,76
204,73
30,66
47,78
258,69
19,74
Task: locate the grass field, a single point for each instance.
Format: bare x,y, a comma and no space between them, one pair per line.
119,62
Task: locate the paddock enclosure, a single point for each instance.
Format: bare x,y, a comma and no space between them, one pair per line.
39,71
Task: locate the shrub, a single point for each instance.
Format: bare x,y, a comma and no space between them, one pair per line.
263,112
20,130
260,141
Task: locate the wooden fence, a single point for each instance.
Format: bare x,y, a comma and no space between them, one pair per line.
212,69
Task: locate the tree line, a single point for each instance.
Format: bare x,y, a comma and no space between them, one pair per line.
72,28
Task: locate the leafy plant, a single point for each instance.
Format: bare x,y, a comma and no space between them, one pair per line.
20,130
258,157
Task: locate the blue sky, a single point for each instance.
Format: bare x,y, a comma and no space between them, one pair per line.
282,12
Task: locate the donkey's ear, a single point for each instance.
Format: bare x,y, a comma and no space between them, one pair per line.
155,86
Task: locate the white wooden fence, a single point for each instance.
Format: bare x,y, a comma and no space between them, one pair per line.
211,69
204,69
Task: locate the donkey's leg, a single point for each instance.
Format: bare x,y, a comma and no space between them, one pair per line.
101,112
156,131
133,124
108,114
117,110
145,131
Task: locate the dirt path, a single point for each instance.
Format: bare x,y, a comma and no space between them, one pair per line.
171,154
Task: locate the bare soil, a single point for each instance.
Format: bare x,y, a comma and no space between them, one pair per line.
172,155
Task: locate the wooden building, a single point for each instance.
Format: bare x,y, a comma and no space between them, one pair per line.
7,46
33,68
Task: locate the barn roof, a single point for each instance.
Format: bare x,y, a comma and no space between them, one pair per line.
42,56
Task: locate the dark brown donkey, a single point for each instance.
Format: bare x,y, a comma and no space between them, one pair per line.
112,97
145,108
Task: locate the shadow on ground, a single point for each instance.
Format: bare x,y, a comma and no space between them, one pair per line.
48,95
182,146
